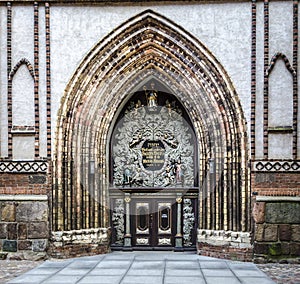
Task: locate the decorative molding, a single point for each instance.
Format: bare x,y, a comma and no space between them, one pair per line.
23,61
24,167
22,130
23,197
280,129
276,166
261,198
287,63
164,242
142,241
224,238
95,236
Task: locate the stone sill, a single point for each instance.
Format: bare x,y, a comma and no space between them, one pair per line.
23,197
277,198
281,129
22,130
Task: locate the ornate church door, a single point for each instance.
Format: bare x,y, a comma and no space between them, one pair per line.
153,165
153,223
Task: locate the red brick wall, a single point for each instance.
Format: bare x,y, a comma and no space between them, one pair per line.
33,183
276,184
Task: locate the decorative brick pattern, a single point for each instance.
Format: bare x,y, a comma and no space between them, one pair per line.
266,78
36,82
295,79
9,83
48,78
34,72
287,63
276,166
292,68
24,167
253,79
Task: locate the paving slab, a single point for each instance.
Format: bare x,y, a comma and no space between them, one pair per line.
144,267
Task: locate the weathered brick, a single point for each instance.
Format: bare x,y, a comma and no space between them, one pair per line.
260,248
8,212
3,231
38,230
275,249
284,232
39,245
32,211
283,212
295,249
10,246
270,233
295,233
259,233
12,233
285,248
25,245
22,231
259,212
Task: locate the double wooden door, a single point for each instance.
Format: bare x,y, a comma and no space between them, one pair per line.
153,222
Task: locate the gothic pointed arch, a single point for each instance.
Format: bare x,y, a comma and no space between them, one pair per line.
149,45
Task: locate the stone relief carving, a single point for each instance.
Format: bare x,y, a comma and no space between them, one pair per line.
164,241
118,220
153,147
142,241
188,221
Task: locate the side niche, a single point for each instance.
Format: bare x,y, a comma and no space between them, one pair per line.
153,144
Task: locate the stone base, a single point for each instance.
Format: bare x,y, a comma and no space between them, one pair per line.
225,245
67,244
24,226
277,229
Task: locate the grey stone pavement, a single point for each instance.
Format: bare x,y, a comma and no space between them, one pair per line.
145,268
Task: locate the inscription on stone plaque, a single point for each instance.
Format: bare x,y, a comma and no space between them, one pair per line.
153,153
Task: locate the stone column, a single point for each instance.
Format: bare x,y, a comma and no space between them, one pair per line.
127,237
178,237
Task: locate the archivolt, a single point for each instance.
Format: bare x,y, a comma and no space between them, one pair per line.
149,45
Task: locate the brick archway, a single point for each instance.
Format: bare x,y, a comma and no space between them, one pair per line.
149,45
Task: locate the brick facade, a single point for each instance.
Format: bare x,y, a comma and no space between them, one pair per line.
237,79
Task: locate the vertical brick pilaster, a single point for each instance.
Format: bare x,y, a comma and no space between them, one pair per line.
266,78
9,82
253,78
295,78
48,78
36,81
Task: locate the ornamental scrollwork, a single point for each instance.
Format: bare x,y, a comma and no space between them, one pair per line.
188,221
153,146
118,221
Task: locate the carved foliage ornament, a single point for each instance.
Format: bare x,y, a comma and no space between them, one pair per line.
153,147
